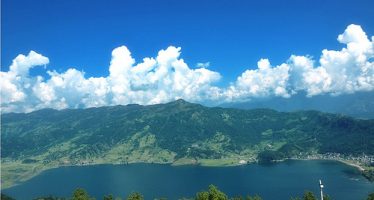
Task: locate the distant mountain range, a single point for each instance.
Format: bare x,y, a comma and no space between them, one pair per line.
178,129
177,132
360,105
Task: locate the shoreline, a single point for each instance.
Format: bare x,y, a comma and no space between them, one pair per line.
359,167
347,162
176,164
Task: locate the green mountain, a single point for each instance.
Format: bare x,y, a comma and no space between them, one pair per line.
178,132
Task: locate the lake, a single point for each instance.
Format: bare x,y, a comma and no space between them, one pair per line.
277,181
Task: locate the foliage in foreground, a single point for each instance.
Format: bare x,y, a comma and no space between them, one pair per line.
371,196
81,194
6,197
213,193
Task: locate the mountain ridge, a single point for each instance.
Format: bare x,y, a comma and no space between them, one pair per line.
177,132
358,105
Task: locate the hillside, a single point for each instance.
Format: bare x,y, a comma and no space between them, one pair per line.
177,132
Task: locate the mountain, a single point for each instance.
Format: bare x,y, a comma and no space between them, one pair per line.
177,132
359,105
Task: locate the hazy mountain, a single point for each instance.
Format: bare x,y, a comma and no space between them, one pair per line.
360,105
176,130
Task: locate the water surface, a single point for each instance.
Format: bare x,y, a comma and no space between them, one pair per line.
278,181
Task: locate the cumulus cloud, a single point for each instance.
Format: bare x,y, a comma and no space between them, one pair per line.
154,80
16,83
167,77
348,70
261,82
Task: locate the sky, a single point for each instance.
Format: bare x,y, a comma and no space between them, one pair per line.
72,54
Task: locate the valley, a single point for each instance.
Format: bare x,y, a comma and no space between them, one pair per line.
177,133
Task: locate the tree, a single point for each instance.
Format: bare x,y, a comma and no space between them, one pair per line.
135,196
204,195
80,194
213,193
309,196
371,196
108,197
326,197
256,197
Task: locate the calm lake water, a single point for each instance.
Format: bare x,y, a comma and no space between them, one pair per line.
278,181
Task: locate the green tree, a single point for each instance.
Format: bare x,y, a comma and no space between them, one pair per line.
256,197
108,197
135,196
213,193
326,197
309,196
204,195
80,194
371,196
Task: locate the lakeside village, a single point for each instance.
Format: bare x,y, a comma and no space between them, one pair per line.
360,162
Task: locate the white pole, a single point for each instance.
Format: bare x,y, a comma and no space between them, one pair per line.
321,186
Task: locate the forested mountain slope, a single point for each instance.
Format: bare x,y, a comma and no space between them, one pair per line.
176,130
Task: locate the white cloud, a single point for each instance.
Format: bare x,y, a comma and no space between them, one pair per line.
350,68
167,77
203,65
155,80
346,71
16,83
22,64
261,82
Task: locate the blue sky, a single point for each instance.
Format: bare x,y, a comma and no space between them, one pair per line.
231,35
